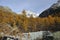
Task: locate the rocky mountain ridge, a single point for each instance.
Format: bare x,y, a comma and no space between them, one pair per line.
54,10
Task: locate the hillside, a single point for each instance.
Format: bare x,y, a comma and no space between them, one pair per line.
12,23
54,10
10,19
52,13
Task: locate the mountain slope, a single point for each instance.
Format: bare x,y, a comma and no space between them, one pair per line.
5,8
54,10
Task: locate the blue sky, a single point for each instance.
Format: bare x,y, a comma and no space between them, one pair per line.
33,5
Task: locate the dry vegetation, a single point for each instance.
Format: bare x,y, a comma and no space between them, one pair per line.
10,21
